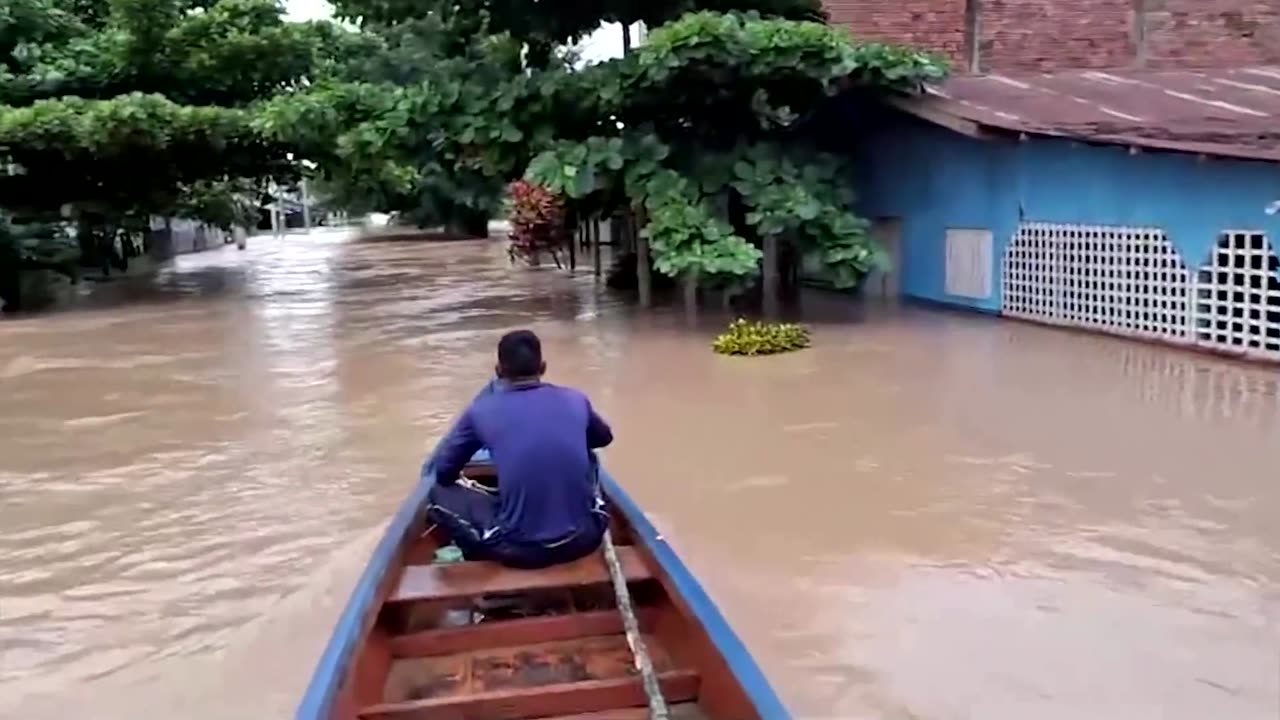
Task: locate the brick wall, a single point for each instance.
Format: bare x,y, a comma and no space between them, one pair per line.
1046,35
1039,35
934,24
1212,33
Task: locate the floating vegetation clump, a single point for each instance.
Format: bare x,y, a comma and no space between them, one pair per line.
761,338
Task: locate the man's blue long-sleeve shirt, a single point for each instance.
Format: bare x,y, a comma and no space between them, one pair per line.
540,437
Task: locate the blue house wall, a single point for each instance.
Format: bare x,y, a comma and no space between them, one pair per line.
933,178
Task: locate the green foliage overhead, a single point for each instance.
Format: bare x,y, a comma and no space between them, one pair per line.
431,108
223,203
805,196
719,103
442,104
112,111
761,338
542,23
715,78
118,109
435,143
107,128
684,230
229,52
77,152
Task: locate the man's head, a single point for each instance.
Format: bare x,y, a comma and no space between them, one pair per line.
520,356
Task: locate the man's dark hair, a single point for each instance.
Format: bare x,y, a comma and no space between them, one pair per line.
520,355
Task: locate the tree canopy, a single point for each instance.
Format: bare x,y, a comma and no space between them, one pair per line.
114,111
429,108
116,108
416,122
450,100
541,25
710,140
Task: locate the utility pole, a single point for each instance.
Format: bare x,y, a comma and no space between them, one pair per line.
306,208
644,276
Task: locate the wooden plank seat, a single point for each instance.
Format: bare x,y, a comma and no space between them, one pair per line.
453,581
522,631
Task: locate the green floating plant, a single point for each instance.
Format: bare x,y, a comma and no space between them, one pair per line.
761,338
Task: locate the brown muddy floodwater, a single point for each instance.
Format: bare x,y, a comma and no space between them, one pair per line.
926,515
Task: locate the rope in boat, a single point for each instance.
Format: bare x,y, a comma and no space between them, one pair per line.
657,704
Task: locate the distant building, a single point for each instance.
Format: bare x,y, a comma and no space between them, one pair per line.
1136,203
1101,164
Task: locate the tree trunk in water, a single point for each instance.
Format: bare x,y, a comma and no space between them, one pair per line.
595,249
473,224
690,282
90,252
787,278
644,276
574,238
121,257
10,282
772,300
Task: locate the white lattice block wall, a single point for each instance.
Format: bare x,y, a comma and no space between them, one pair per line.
1031,274
1122,280
1237,306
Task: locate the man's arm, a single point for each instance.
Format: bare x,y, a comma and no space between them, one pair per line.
457,449
599,434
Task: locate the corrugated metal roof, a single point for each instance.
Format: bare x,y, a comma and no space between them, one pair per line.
1233,113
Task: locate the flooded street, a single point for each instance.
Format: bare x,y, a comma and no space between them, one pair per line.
926,515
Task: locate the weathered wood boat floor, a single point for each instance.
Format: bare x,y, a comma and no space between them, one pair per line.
568,672
568,661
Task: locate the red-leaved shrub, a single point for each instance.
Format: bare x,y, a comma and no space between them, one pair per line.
537,223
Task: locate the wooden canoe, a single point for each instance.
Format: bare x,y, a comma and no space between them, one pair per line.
411,644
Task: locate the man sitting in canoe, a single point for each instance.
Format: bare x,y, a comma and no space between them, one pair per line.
547,508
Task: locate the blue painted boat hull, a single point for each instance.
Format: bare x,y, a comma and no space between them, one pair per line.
731,685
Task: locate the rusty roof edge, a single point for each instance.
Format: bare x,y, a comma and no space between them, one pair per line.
929,108
937,107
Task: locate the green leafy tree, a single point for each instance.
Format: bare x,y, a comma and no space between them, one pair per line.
702,131
424,124
448,101
111,112
544,25
712,145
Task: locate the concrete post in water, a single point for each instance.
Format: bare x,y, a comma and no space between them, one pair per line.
306,208
595,248
644,279
574,238
690,283
772,301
